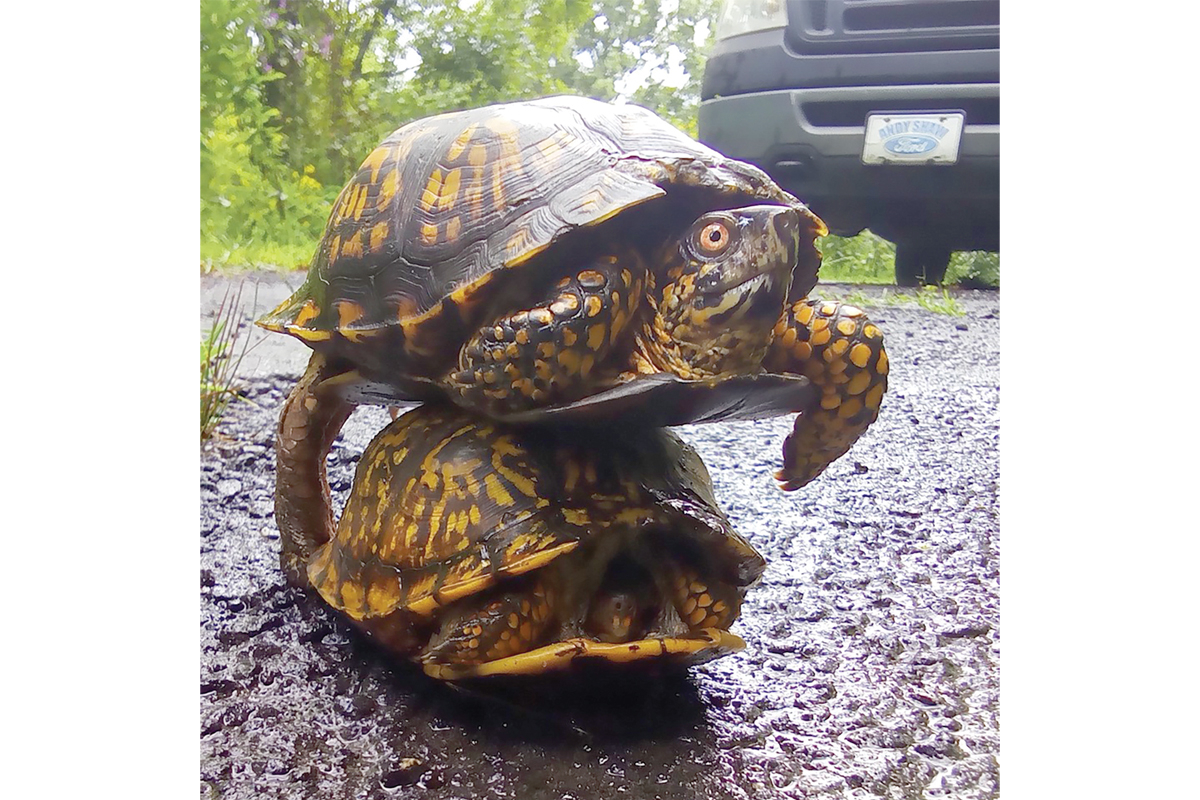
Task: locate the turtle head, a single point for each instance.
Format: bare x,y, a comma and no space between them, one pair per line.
726,287
613,616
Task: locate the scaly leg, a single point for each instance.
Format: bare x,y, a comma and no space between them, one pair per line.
545,354
309,423
512,622
702,604
839,349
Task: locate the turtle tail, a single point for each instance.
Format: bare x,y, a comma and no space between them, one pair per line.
308,424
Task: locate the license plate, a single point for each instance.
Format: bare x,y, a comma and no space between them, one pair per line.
930,138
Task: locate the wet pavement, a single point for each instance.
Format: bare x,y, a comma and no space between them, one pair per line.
872,659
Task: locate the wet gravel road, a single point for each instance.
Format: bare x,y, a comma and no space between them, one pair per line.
872,659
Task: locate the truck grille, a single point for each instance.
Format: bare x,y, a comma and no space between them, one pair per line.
852,113
888,26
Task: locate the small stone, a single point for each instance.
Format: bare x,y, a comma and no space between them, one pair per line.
406,772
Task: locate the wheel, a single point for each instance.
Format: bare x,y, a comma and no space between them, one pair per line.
918,263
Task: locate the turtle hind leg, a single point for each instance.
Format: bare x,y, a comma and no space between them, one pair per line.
703,604
308,424
841,351
507,624
549,353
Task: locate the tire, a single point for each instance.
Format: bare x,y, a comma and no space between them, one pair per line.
918,263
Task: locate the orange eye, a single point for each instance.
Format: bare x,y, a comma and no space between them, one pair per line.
714,237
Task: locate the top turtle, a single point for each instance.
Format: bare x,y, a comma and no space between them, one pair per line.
526,257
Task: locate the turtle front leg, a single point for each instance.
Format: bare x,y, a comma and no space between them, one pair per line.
308,424
547,354
841,351
511,623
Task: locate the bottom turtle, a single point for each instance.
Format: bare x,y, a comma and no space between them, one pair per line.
477,548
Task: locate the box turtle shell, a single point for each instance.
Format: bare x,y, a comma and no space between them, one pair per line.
478,548
577,260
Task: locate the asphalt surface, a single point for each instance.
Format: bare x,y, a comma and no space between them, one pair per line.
872,659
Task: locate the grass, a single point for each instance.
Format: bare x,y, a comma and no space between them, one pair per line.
232,258
219,362
939,301
854,298
935,299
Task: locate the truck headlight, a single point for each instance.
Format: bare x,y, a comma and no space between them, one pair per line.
747,16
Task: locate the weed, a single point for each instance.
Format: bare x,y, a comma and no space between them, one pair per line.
219,362
854,298
939,301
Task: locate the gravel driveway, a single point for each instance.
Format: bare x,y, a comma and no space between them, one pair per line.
872,659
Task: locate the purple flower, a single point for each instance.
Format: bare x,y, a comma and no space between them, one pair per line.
323,45
271,18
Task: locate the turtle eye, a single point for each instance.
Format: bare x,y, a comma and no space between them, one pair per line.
713,238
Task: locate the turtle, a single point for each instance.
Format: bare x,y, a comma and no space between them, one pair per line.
478,548
574,260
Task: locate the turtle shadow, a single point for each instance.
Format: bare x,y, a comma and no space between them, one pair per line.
589,702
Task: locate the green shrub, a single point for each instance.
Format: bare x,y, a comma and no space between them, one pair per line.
976,269
865,258
249,215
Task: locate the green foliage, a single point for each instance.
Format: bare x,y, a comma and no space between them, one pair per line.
489,51
977,269
248,195
219,362
246,208
865,258
628,49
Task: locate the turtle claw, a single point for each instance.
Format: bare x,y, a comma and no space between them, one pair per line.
785,483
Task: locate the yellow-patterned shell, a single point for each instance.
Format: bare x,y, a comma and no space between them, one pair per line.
444,504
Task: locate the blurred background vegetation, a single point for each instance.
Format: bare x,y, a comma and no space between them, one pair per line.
295,93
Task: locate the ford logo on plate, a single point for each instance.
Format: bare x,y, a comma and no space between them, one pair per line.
910,144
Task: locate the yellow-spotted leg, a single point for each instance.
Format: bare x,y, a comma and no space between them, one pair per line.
308,424
546,354
701,605
511,623
841,351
